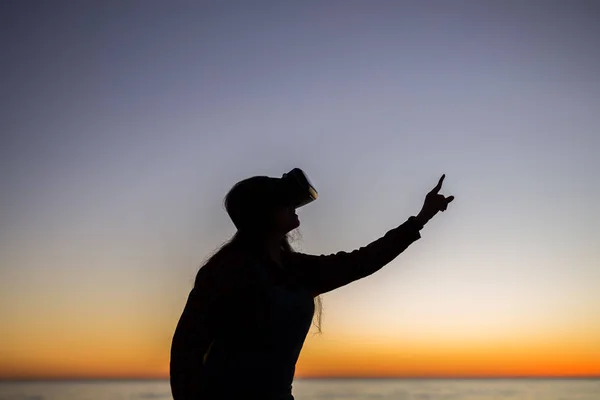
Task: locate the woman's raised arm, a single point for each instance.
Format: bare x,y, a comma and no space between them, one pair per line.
327,272
323,273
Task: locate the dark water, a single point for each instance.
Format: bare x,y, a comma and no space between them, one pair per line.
325,390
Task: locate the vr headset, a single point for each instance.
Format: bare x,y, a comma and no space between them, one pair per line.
299,190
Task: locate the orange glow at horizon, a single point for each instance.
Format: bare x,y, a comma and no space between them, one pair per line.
324,356
420,360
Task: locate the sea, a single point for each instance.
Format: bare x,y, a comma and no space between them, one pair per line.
327,389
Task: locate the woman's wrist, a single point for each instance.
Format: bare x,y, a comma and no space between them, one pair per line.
421,219
417,222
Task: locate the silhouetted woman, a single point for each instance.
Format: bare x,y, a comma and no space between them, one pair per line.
252,304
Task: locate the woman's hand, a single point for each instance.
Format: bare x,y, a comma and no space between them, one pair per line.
434,202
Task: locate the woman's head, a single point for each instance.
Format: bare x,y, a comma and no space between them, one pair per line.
261,206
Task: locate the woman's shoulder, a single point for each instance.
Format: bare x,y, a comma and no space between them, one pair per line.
225,270
228,262
301,260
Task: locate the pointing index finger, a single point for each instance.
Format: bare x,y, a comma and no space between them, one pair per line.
437,187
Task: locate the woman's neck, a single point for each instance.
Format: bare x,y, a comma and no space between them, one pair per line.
273,249
268,246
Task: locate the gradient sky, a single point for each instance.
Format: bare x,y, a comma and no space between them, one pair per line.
125,123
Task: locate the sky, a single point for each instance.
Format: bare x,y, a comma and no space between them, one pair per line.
124,124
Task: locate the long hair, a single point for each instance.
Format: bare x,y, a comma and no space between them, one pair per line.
246,203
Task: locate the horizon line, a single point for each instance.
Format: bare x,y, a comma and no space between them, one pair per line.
306,378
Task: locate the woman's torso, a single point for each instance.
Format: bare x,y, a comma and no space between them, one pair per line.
251,358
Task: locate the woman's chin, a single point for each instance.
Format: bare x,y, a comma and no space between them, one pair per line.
295,224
